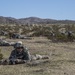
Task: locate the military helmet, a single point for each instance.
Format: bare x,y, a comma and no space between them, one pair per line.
18,44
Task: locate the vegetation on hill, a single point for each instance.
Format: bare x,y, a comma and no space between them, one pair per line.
52,32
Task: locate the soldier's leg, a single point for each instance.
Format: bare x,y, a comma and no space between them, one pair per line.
38,57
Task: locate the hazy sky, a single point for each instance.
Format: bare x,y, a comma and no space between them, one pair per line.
53,9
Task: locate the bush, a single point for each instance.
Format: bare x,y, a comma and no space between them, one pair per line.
1,55
61,37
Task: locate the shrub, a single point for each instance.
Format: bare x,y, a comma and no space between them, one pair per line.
1,55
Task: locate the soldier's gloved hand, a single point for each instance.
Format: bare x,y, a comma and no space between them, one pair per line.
12,62
24,61
18,60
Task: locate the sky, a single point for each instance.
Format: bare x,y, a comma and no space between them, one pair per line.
52,9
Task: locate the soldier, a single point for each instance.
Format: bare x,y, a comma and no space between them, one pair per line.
70,36
20,54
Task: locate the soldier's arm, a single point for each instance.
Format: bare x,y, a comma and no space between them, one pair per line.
12,55
27,55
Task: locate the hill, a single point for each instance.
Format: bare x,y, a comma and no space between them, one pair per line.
32,20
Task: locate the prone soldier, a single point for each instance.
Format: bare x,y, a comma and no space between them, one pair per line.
20,54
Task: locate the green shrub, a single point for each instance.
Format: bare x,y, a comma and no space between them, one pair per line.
1,55
61,37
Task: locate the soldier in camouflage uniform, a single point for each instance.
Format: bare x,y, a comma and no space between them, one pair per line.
20,54
70,36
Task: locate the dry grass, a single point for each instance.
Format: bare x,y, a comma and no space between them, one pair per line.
61,62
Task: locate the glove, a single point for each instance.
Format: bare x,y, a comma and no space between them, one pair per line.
19,61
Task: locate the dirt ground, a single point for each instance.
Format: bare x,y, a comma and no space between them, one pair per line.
61,62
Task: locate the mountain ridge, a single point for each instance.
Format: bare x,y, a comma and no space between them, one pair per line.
33,20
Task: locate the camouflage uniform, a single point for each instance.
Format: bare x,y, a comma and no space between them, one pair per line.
70,36
19,57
